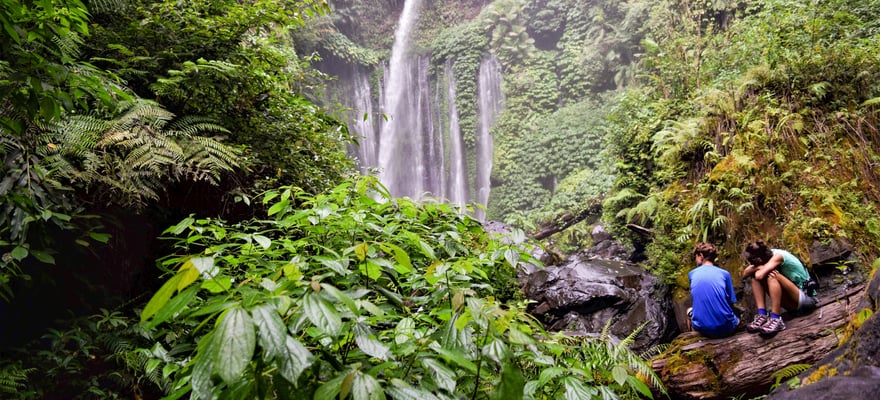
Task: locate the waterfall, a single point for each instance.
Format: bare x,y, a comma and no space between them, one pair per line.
457,186
490,105
401,145
361,120
412,132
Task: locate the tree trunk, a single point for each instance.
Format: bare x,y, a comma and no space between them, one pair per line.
592,208
695,367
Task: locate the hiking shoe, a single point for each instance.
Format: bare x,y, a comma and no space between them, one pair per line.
772,327
757,323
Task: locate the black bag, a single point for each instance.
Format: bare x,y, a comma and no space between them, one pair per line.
811,286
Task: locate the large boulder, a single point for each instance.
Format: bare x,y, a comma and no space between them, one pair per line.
863,383
582,294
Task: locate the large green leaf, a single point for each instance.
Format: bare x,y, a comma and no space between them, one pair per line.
263,241
372,268
295,360
620,374
174,306
342,297
330,389
270,330
548,374
640,386
512,383
404,265
367,342
400,390
160,298
512,257
497,350
576,390
405,330
457,358
443,375
366,387
19,253
322,314
181,226
200,379
335,264
236,339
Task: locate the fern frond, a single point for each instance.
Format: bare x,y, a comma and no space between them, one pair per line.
631,338
13,377
653,351
789,371
130,158
68,44
188,126
644,210
108,6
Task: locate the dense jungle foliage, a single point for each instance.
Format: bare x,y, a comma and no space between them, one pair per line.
280,275
718,120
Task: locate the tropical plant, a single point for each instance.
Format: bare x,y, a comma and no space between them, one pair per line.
129,159
91,357
353,294
41,72
504,22
13,377
124,161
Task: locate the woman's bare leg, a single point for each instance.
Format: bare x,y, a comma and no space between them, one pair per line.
758,290
786,293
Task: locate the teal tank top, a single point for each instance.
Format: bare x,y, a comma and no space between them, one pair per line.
792,268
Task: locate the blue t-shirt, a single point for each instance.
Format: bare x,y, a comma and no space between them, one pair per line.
712,294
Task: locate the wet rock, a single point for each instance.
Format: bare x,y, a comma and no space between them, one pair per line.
599,234
830,253
864,383
582,294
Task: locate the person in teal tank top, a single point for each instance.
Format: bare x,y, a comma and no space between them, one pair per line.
781,276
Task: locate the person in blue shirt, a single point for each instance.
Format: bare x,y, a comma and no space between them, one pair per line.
712,294
781,276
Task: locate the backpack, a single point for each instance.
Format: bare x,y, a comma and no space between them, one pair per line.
811,286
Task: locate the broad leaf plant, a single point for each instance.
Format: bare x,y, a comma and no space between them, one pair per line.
351,294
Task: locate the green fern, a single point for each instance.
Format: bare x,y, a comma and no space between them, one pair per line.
643,211
789,372
13,377
134,155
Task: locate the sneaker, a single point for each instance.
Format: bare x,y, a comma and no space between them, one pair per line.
758,323
772,327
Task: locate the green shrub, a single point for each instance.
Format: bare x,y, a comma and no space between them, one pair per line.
352,294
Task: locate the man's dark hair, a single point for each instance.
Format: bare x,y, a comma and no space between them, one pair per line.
707,250
757,252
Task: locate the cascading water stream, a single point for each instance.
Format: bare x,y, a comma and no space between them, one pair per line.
401,163
411,132
457,185
491,104
361,122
